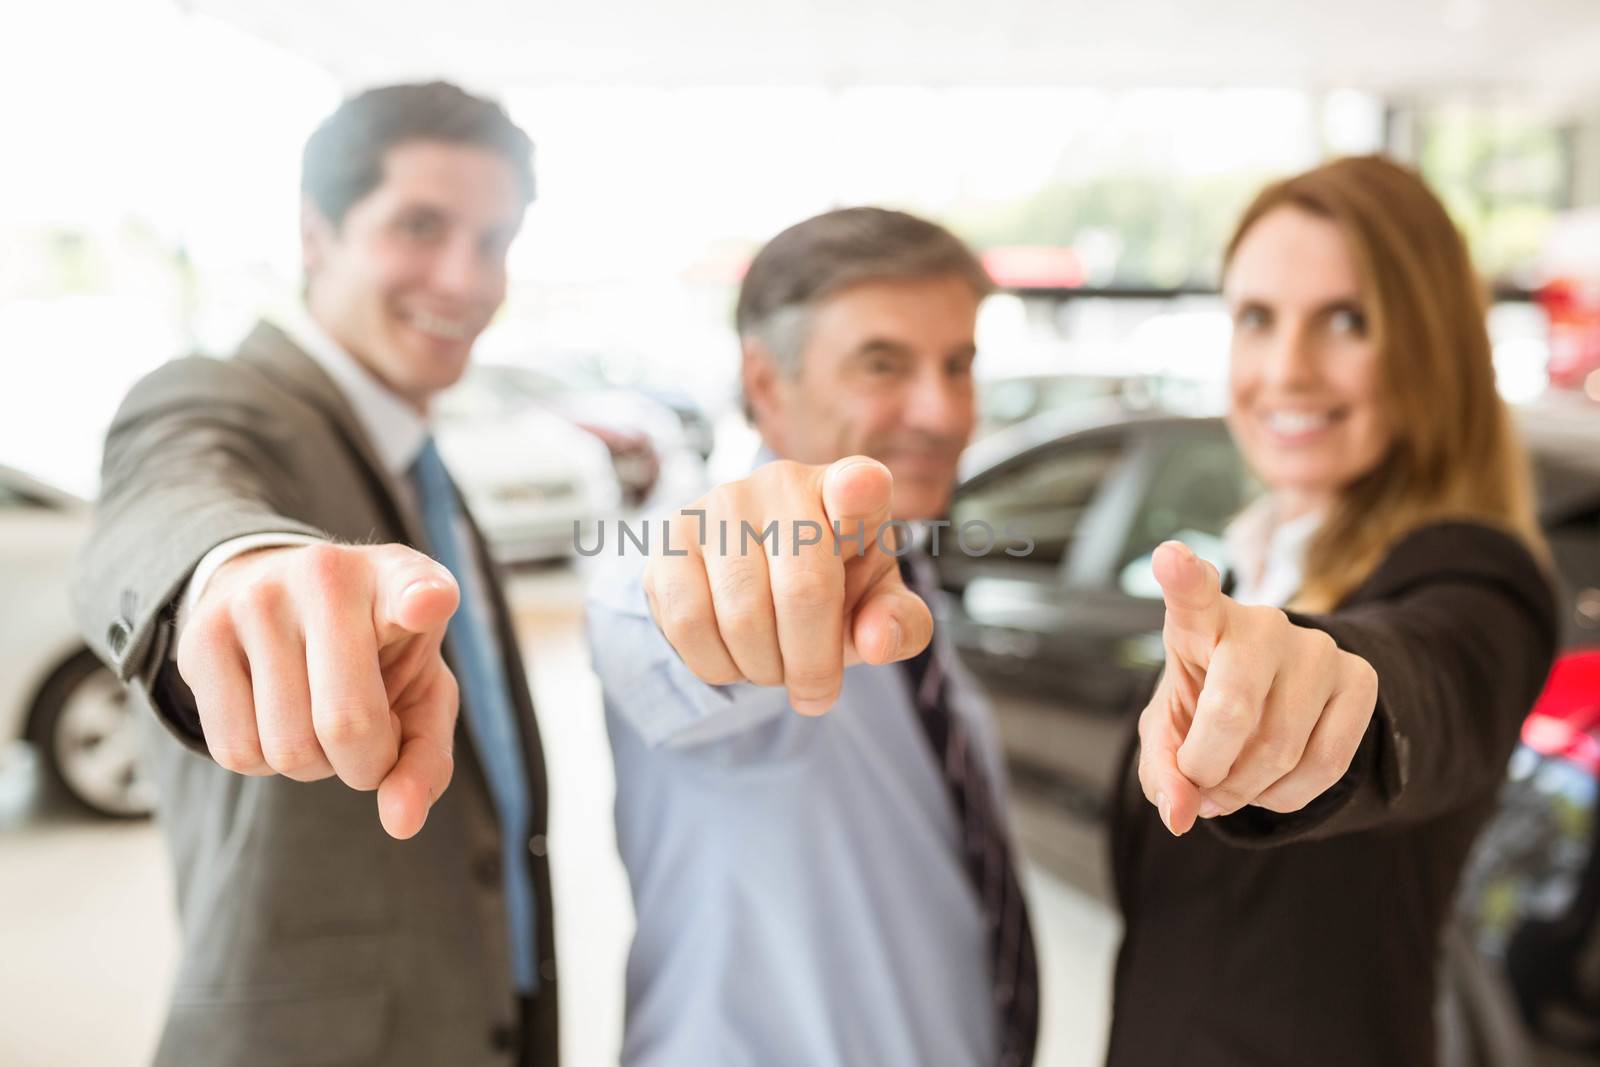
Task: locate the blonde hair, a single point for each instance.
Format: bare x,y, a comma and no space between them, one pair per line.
1455,454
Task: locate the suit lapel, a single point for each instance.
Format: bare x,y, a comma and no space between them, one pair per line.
270,350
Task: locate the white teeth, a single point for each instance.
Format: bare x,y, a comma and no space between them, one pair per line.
1295,422
449,328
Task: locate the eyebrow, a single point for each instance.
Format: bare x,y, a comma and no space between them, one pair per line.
506,233
1340,303
880,346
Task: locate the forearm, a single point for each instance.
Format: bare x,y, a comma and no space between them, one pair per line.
177,482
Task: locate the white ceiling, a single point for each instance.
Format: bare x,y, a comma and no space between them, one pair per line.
1547,51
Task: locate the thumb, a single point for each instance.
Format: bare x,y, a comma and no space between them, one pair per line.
1166,786
413,594
1192,590
891,622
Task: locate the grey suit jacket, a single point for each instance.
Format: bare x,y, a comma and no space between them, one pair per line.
309,936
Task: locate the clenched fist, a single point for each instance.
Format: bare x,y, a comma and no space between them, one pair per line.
1251,708
735,609
322,660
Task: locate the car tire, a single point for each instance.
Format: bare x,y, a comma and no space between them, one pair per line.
86,739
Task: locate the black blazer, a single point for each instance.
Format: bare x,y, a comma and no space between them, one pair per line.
1312,938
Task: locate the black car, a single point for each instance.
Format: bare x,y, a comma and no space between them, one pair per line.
1067,639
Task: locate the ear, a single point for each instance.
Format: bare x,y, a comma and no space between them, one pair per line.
760,375
316,236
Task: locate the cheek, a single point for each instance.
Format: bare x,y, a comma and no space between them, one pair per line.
1369,422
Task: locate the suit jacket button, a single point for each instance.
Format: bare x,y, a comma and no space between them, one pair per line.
488,869
536,844
502,1038
117,637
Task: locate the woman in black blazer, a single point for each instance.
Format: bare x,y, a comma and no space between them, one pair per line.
1285,887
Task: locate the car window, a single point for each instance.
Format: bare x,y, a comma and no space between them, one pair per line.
1043,498
1198,486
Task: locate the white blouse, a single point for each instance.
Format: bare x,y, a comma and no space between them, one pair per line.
1267,556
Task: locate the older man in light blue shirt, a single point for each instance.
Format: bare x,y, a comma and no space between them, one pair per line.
808,799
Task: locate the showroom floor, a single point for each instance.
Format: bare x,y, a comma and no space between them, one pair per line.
89,937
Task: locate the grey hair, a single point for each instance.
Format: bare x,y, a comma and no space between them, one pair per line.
827,253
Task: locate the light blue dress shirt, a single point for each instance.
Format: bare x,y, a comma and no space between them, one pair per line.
800,894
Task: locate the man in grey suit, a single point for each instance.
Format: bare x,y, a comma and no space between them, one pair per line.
276,569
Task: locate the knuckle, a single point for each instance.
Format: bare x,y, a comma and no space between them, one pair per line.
1283,801
1202,776
239,756
680,611
1322,647
1227,797
1280,756
1363,677
1229,710
765,674
738,588
345,722
721,675
259,600
324,566
806,590
292,755
203,636
449,686
811,681
1329,758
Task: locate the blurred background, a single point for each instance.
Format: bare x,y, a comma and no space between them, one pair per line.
1096,154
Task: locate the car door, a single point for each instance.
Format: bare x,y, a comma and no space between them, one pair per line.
1068,641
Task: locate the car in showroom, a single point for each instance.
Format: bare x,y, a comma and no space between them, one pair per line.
656,459
53,692
534,480
1067,641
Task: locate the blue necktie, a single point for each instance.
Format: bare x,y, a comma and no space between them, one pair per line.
485,703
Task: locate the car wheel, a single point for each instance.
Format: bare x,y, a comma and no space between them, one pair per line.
87,739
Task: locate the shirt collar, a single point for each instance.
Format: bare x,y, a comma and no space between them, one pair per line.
1268,556
393,426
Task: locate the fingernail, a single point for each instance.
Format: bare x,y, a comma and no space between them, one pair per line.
1209,809
420,584
1164,806
894,640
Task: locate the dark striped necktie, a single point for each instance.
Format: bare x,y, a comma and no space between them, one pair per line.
985,848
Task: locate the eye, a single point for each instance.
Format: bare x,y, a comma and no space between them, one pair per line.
421,227
1250,318
1347,322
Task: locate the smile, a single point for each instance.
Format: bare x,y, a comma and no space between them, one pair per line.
1298,425
448,329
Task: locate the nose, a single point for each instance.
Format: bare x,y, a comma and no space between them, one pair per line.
939,403
1290,359
462,273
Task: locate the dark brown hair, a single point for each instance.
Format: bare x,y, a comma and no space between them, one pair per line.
343,159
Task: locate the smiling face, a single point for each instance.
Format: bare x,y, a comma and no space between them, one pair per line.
1306,404
416,269
885,371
